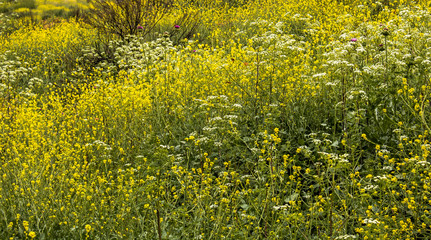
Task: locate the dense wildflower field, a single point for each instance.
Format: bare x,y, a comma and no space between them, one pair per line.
273,119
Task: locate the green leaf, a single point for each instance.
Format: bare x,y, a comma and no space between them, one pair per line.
245,206
335,144
292,197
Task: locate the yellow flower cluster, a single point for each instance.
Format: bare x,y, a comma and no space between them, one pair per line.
292,120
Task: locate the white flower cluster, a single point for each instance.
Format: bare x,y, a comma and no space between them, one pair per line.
281,207
138,54
99,145
381,178
131,54
370,187
347,236
336,157
5,21
15,76
222,98
370,221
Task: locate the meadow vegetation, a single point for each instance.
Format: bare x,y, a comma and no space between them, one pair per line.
230,119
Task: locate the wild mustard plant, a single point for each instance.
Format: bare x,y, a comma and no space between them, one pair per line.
287,120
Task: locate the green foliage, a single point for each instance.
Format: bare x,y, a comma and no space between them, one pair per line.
33,61
10,6
239,123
